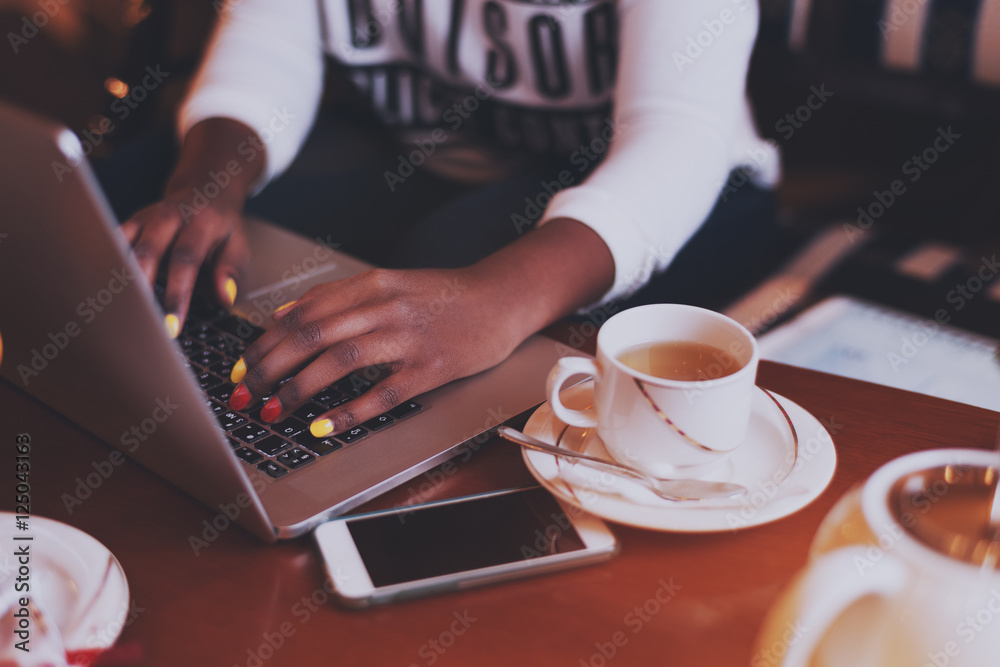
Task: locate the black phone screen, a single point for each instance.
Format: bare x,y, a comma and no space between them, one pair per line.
474,533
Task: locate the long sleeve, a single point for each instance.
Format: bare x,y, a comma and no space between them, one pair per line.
263,68
680,125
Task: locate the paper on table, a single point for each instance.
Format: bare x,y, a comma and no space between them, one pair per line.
854,338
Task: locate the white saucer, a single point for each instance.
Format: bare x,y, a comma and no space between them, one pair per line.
75,582
780,477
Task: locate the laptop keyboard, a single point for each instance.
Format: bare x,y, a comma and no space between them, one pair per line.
212,341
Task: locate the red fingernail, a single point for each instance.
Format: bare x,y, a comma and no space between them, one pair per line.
271,410
241,398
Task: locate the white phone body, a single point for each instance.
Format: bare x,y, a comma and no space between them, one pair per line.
376,558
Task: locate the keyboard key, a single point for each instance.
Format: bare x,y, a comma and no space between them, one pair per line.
234,443
222,392
271,445
206,381
375,373
198,348
295,458
203,308
309,412
321,446
197,331
289,427
355,434
378,423
223,368
248,455
216,408
405,409
193,326
230,346
251,433
272,469
352,385
239,328
230,420
216,342
330,398
205,357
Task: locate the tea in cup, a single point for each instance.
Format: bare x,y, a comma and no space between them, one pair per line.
673,388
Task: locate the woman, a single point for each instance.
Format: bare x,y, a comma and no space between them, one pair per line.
606,129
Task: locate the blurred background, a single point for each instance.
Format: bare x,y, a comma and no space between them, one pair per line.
72,60
75,60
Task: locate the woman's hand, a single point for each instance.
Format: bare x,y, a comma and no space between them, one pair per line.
173,231
199,221
425,327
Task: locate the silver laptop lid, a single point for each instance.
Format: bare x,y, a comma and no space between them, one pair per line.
81,329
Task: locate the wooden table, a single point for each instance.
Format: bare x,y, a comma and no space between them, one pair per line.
231,603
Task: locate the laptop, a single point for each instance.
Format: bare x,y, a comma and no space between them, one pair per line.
83,333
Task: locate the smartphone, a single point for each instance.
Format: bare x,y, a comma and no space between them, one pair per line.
459,543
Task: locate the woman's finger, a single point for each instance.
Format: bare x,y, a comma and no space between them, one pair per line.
320,302
368,410
323,372
230,265
130,229
340,342
158,225
190,250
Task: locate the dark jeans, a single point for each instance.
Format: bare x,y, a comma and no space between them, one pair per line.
337,190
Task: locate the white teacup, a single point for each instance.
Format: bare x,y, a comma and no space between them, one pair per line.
668,418
902,573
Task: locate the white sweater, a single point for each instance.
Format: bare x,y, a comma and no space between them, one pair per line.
519,76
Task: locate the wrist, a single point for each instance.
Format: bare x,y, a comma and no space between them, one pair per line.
545,275
211,168
209,190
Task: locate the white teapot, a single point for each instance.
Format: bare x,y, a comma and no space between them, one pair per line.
903,572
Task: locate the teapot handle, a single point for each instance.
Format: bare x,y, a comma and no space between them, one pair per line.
818,596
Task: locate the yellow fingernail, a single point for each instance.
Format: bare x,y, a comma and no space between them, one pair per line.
321,428
284,306
173,325
239,371
230,287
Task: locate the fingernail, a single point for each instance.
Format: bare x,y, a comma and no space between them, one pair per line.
321,428
173,325
271,410
230,288
284,306
241,398
239,372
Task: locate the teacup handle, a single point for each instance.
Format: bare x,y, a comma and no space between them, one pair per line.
564,368
827,588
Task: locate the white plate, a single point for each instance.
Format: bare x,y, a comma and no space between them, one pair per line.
780,477
75,582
